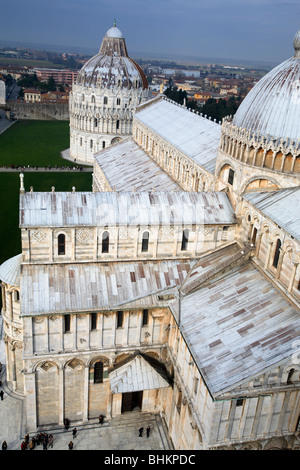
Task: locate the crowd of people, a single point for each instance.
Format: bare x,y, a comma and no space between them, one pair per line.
46,168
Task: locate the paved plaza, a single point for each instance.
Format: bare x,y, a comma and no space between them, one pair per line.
120,433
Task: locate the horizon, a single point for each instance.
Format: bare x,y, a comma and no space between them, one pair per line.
234,32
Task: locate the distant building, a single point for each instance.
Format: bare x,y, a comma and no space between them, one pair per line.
2,92
32,96
174,286
61,76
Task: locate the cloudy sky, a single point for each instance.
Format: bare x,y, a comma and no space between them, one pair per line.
260,30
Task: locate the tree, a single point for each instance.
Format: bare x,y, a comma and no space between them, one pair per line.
176,95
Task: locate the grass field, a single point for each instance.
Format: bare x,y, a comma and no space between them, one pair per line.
34,143
10,236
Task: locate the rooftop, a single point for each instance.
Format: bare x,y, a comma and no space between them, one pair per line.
127,166
62,209
194,135
83,287
237,327
281,206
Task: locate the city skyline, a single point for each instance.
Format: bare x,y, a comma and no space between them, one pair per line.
254,30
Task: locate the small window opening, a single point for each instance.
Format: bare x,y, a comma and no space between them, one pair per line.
254,235
277,253
61,244
185,240
67,323
120,319
145,317
230,176
94,321
145,242
98,373
105,242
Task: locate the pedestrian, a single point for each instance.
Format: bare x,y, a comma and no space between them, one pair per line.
101,419
32,444
1,395
71,445
141,432
74,433
66,423
4,445
23,445
148,431
50,441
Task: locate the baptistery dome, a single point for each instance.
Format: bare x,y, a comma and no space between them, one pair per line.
260,146
112,67
103,100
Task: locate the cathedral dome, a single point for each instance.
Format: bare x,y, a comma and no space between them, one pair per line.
112,67
271,109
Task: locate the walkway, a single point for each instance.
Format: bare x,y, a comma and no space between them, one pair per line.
119,433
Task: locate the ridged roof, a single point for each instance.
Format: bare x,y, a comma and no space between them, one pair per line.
112,67
63,209
10,271
272,107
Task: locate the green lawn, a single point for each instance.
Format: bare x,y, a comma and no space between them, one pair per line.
35,143
10,237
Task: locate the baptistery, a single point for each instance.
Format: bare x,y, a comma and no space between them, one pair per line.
103,100
260,145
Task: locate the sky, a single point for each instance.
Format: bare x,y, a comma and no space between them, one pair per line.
255,30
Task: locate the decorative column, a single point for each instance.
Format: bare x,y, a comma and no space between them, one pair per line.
86,395
292,280
280,260
270,243
61,395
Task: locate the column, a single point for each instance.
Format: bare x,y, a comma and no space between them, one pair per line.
61,395
280,260
10,306
292,280
268,255
86,394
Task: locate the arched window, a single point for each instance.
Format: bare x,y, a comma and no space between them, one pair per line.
105,100
103,144
98,373
96,122
118,101
185,240
230,176
254,235
117,124
105,242
93,99
91,144
277,253
145,242
290,376
61,244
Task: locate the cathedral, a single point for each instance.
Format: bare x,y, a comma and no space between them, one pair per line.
173,287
